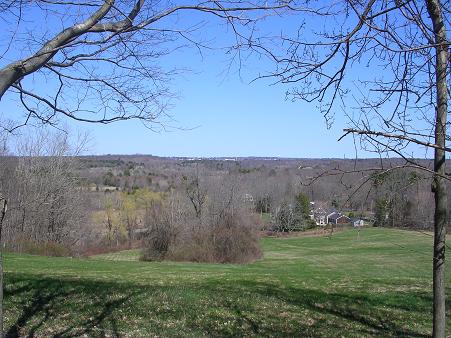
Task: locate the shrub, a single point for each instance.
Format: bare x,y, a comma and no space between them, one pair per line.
157,242
160,235
45,249
235,239
194,245
214,228
232,238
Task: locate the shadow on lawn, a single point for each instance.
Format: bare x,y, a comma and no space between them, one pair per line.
94,309
333,314
40,301
356,309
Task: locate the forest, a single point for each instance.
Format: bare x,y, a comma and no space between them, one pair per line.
194,209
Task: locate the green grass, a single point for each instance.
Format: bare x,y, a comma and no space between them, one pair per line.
376,285
126,255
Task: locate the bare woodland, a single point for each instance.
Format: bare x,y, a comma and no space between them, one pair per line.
112,202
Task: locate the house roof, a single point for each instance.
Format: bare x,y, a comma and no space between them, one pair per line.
336,215
319,211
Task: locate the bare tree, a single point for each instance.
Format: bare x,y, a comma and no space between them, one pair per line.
195,191
44,192
128,211
4,205
101,60
390,61
98,61
43,195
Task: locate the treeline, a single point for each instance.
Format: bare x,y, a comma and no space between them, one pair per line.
201,210
45,198
401,199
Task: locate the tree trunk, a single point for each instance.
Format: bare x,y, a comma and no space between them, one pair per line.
439,187
2,216
1,292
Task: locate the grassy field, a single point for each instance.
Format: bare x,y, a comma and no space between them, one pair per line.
374,284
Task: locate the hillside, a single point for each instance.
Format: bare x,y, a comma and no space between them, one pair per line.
376,283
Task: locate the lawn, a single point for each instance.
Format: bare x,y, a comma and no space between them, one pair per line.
377,283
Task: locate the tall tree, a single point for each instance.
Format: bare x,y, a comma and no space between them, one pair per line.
100,61
390,61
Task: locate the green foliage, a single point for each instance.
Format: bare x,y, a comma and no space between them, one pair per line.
99,163
394,204
123,211
414,177
285,218
289,218
378,178
245,170
335,203
381,213
302,207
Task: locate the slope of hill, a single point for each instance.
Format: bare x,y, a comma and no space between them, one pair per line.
373,283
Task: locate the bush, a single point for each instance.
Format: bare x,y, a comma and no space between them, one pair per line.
215,228
193,246
45,249
232,238
235,240
157,242
284,218
160,235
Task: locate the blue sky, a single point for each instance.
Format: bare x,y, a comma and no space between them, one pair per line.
227,114
218,117
218,114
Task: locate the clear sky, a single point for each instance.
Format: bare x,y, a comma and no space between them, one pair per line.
218,114
218,117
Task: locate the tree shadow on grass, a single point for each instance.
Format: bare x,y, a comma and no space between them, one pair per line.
96,324
333,313
41,303
70,308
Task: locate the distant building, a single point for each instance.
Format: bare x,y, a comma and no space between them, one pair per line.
320,216
338,218
357,222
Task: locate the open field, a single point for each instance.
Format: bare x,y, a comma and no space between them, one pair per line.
377,284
